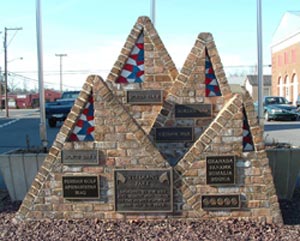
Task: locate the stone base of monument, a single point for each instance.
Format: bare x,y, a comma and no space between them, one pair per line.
285,165
151,143
18,171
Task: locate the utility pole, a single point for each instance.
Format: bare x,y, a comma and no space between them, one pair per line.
260,65
5,66
152,11
60,69
43,130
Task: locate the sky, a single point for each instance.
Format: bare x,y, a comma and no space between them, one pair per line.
93,32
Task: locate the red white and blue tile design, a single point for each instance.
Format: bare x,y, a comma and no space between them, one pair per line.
212,87
247,136
85,127
133,70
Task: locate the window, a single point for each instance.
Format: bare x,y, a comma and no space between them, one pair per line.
294,56
279,60
266,91
273,62
275,100
286,58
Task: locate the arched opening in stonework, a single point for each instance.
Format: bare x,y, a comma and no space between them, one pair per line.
287,88
280,86
292,90
295,88
284,87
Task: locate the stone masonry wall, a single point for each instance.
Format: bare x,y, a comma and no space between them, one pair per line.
159,71
124,135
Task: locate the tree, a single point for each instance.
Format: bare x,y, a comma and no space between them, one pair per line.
12,84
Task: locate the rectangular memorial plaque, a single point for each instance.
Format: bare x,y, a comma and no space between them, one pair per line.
220,202
80,157
143,190
174,134
193,111
144,96
81,187
220,170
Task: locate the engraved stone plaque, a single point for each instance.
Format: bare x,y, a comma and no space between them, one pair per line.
193,111
174,134
144,96
220,202
143,190
80,187
220,170
80,157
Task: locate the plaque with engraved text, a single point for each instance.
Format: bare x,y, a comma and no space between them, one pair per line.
220,202
80,157
80,187
174,134
144,96
220,170
193,111
143,190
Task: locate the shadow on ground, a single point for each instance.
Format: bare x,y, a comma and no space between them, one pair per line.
290,209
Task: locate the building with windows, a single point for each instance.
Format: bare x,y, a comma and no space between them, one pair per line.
285,49
251,85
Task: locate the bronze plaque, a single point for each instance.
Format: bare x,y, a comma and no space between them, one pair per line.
81,187
220,202
80,157
220,170
144,96
193,111
174,134
143,190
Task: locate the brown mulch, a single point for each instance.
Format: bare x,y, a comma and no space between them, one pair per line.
96,229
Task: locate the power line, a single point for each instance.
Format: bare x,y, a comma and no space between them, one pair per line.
35,80
60,69
83,71
245,66
5,65
12,38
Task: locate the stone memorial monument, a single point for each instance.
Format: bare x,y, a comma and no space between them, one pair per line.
151,143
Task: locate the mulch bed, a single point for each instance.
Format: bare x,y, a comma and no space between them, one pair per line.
96,229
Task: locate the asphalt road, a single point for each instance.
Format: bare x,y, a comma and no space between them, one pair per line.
21,130
282,132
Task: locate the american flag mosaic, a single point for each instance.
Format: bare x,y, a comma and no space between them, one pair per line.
133,70
212,87
247,136
85,126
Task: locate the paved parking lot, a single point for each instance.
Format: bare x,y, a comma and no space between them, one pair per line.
283,132
21,130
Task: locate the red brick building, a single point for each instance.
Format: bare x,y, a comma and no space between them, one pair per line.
285,49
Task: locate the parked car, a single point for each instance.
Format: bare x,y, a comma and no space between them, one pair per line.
279,108
58,110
